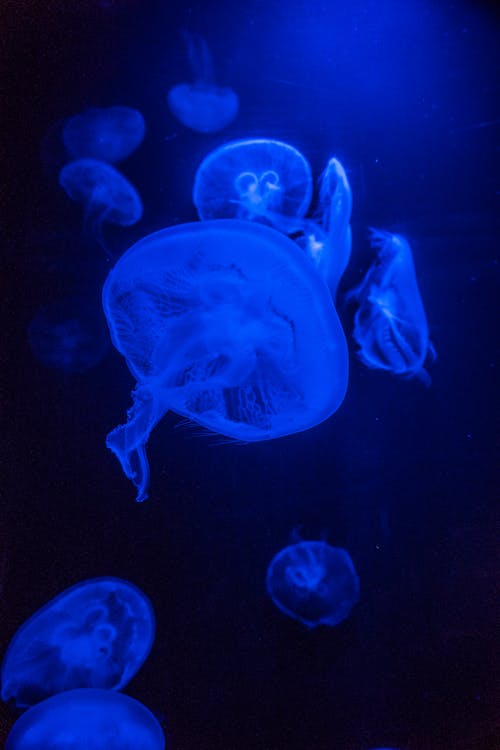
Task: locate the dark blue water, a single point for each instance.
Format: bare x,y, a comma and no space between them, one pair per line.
406,95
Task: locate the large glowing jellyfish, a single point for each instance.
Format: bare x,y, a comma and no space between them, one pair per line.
87,719
95,634
314,583
202,105
69,335
256,179
107,195
228,324
390,325
110,134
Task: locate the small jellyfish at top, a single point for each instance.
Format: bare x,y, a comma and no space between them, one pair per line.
226,323
314,583
256,179
96,634
108,197
69,335
390,324
87,719
109,134
202,105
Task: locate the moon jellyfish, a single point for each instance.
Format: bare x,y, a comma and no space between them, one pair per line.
255,179
202,105
228,324
69,335
95,634
87,719
107,195
390,325
314,583
109,134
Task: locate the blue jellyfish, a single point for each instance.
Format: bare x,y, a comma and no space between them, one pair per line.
255,179
202,106
390,325
107,196
95,634
227,323
109,134
69,335
87,719
314,583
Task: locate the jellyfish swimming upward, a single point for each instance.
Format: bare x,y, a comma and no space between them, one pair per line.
390,324
202,105
228,324
109,134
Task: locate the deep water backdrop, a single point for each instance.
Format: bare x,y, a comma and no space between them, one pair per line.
406,95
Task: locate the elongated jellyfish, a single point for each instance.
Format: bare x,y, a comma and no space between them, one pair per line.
313,583
108,197
390,324
202,105
96,634
87,719
227,323
109,134
69,335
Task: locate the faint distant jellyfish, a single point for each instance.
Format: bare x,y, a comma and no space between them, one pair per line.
95,634
87,719
228,324
109,134
69,335
257,179
107,195
314,583
390,325
202,106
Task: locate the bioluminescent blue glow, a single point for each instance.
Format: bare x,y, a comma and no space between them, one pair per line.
108,197
202,105
87,719
254,179
313,582
109,134
95,634
226,323
390,325
69,335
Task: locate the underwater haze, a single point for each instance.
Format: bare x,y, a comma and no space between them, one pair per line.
404,95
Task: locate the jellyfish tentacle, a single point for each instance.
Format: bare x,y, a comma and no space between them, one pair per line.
200,59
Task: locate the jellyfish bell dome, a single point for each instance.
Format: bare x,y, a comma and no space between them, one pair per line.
257,179
226,323
87,719
95,634
109,134
203,109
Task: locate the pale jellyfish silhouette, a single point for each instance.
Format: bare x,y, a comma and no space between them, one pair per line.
108,197
226,323
95,634
314,583
69,335
257,179
202,105
109,134
87,719
390,324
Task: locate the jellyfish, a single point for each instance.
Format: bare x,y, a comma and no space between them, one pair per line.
314,583
226,323
96,634
87,719
110,134
390,324
202,106
69,334
257,179
107,196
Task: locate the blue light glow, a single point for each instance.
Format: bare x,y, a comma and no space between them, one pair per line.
110,134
